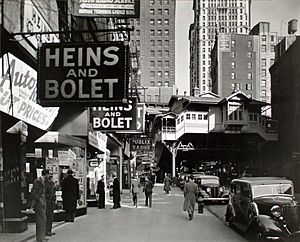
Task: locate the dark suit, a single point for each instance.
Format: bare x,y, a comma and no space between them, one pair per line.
101,192
70,195
50,199
38,195
116,193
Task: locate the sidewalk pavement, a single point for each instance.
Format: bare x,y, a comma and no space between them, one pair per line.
165,221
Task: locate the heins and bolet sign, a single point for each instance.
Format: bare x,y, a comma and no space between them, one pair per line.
83,74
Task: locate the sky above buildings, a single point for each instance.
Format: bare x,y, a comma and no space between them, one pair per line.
277,12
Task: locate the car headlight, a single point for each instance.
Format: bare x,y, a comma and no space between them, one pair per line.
208,189
221,189
276,211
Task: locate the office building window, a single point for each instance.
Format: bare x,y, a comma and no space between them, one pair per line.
263,38
272,37
233,64
152,2
152,33
167,21
233,75
167,53
167,64
193,116
152,83
166,11
272,48
159,64
152,43
263,93
138,32
152,22
249,65
249,54
233,54
152,63
138,43
152,53
249,43
167,2
148,98
166,32
263,48
167,43
159,84
159,22
188,116
167,74
159,2
159,32
152,74
167,84
159,11
159,74
233,42
264,72
264,83
159,53
249,86
263,62
159,43
152,12
249,76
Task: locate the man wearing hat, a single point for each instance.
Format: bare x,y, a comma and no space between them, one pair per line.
39,199
70,195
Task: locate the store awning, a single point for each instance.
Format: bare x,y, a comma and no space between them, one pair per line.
60,138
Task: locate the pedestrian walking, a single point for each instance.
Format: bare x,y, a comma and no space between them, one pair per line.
101,193
116,193
167,184
135,189
148,192
70,195
190,191
50,200
38,196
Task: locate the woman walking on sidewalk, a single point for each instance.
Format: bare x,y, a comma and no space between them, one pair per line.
135,189
190,192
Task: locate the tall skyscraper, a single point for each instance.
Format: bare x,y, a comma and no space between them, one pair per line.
212,17
154,36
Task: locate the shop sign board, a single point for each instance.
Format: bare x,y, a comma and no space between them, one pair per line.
97,140
66,157
35,22
107,8
115,118
52,166
83,74
18,87
141,144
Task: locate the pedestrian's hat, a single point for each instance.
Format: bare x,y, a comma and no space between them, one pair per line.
45,172
70,171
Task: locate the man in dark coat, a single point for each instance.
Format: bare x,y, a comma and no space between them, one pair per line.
39,200
190,192
70,195
100,190
116,193
50,199
148,192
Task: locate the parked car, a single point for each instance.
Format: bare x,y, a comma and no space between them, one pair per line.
263,207
210,189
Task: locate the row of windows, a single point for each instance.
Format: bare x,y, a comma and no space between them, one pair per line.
249,75
160,84
192,116
240,86
158,43
160,64
159,53
159,74
160,11
159,2
159,22
160,32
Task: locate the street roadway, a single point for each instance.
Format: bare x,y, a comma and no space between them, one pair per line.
164,222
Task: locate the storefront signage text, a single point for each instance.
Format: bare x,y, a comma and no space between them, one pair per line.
83,73
141,144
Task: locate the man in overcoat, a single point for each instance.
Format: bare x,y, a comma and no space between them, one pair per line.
50,199
39,199
190,192
70,195
101,192
116,193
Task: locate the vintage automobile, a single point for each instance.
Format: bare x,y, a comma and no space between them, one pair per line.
210,189
263,207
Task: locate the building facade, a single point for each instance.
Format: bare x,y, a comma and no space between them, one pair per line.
154,35
212,17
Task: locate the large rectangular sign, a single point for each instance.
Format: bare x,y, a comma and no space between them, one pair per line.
107,8
18,84
141,144
83,74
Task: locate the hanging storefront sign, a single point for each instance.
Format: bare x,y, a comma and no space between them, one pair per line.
107,8
97,140
141,144
83,74
115,118
18,86
66,157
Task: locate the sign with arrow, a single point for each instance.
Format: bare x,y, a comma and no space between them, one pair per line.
107,8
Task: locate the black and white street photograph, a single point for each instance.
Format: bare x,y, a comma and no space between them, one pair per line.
149,120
